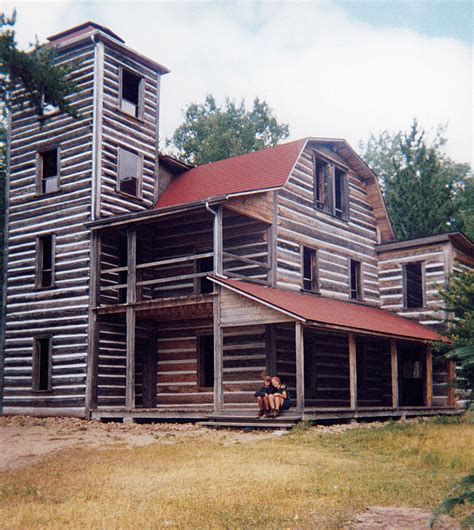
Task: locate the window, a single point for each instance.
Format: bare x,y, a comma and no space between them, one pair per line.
48,171
205,265
45,261
320,178
129,172
355,280
339,181
205,355
413,285
310,270
130,100
330,188
41,364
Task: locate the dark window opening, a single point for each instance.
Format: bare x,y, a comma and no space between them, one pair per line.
413,285
339,177
320,182
355,280
129,169
204,265
45,261
42,364
122,251
310,269
205,353
49,171
130,93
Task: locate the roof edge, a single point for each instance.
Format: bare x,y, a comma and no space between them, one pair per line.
457,237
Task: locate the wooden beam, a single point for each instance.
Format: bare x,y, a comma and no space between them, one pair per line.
429,377
131,317
218,353
394,368
451,368
299,348
353,370
218,241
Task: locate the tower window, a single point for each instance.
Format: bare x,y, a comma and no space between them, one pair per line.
130,93
355,280
48,171
413,285
42,364
129,172
310,270
45,261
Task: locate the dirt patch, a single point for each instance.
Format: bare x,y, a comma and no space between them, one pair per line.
399,518
25,440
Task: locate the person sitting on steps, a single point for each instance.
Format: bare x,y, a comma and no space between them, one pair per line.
262,396
279,399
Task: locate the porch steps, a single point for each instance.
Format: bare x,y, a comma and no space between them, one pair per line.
250,421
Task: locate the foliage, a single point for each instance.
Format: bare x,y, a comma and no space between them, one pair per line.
45,83
209,132
425,191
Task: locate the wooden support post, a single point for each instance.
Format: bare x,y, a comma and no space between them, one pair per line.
429,377
93,332
353,370
131,317
270,343
394,368
299,348
218,239
451,369
218,354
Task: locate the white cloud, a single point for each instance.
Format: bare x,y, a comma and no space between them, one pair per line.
322,72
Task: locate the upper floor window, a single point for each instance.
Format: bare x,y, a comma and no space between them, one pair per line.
45,261
330,188
413,285
129,172
310,270
130,93
48,171
355,280
42,364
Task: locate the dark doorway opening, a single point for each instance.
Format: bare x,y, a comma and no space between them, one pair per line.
411,375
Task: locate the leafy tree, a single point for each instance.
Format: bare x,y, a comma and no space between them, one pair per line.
211,133
425,191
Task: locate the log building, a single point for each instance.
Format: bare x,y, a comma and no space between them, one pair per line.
138,286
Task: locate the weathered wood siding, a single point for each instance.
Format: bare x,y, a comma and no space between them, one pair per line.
122,130
336,240
62,309
374,378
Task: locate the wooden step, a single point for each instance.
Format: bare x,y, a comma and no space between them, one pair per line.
268,424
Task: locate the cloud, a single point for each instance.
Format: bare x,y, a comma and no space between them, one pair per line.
322,72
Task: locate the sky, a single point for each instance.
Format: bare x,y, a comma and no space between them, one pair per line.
333,68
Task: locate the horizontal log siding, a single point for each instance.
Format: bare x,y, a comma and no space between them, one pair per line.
440,382
436,259
61,310
177,364
286,356
121,130
337,241
326,369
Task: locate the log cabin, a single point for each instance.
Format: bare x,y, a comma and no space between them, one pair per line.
140,287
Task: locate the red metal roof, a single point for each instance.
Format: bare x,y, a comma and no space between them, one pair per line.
268,168
315,308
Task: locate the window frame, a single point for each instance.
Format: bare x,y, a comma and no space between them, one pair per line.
141,94
35,380
39,169
200,364
405,285
139,196
39,261
360,282
314,261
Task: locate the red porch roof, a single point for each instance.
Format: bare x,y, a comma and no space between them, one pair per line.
314,308
268,168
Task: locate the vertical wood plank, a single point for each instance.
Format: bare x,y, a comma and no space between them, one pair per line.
272,242
429,377
451,368
299,348
131,317
97,121
394,368
218,353
353,370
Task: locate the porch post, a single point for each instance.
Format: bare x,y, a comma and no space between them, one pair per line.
429,377
451,369
299,346
353,370
131,317
394,368
216,304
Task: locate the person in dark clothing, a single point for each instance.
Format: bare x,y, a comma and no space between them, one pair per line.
262,396
279,399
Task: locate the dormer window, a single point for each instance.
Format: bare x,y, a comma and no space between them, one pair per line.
129,172
48,171
130,93
330,187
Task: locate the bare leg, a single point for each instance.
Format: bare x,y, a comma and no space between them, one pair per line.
271,399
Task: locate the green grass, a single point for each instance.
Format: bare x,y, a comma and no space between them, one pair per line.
301,480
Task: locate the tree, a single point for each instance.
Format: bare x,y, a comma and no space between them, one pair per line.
211,133
425,191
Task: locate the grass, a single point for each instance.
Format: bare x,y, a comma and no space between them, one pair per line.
303,480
